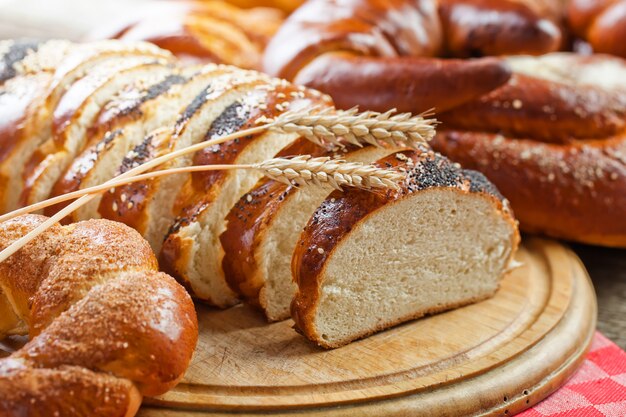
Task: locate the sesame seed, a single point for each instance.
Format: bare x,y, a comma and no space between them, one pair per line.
248,198
114,206
517,104
320,251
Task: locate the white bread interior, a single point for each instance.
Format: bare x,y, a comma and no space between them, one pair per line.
202,252
435,250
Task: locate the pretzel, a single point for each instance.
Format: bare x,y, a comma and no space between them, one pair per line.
383,54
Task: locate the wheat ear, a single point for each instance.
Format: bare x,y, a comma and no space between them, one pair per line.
299,170
356,128
373,128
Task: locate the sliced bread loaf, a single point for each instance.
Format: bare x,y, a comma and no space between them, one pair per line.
122,125
367,261
192,250
42,78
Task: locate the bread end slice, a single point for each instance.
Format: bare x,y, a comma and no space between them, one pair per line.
367,261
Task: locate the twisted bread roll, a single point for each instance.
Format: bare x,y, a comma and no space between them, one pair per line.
381,54
207,31
105,326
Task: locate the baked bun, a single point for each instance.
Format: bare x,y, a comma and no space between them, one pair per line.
369,260
105,326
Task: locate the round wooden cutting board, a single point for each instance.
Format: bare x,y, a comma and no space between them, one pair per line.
496,357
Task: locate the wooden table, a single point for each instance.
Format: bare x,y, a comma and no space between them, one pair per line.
607,268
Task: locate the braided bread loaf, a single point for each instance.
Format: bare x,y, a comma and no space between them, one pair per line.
105,326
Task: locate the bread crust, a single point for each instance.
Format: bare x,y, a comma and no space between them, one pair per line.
247,222
128,204
132,104
344,211
31,126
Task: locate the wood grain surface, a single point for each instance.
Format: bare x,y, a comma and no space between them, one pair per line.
496,357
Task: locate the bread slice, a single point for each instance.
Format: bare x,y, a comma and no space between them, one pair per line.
192,250
123,124
35,95
367,261
263,229
149,207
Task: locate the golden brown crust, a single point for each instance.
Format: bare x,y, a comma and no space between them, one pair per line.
76,287
544,109
209,31
520,28
573,191
70,391
408,84
342,211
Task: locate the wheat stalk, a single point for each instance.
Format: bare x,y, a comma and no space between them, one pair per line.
325,126
305,170
373,128
299,170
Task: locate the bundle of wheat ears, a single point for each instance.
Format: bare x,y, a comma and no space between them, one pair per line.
326,126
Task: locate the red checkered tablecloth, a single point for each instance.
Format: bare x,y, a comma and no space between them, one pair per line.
597,389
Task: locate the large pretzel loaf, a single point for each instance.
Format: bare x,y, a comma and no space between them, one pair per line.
565,108
105,326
